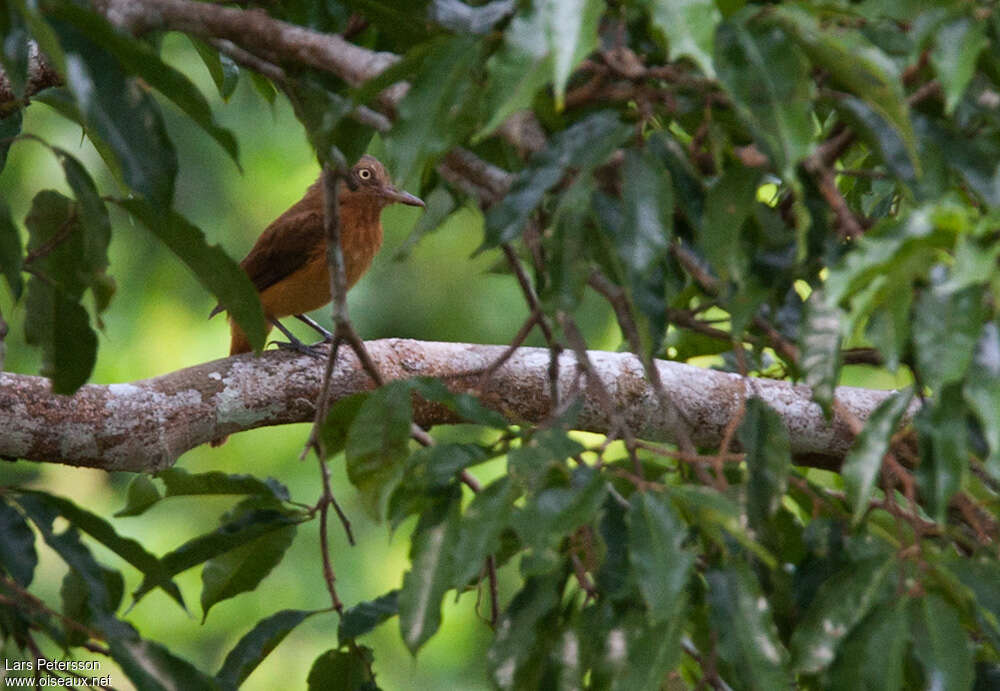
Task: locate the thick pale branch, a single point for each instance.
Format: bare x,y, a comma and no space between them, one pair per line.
145,425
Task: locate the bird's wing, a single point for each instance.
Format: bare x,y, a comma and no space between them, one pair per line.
286,246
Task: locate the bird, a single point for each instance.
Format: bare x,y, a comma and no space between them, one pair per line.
288,264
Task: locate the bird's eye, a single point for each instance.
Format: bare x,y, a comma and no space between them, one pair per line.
364,173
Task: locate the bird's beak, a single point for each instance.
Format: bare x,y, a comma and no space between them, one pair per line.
401,197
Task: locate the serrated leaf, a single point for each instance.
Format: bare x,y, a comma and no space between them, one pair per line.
864,460
242,569
11,255
257,644
941,643
764,437
431,573
378,444
766,75
142,494
137,58
688,28
124,116
748,639
820,342
18,558
365,616
958,43
583,146
661,566
946,327
943,443
486,517
344,670
872,657
151,666
982,391
213,268
842,601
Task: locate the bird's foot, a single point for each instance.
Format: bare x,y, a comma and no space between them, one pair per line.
315,350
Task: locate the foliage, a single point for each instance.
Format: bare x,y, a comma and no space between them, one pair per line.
788,190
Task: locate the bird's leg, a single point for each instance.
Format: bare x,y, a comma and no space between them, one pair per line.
327,336
294,343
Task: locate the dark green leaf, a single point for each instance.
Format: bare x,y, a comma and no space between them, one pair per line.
982,391
42,33
766,75
325,116
661,566
943,441
487,515
870,122
363,617
432,571
842,601
180,483
433,467
378,444
18,558
123,115
138,59
719,518
439,110
555,512
941,643
61,327
76,600
343,670
14,49
728,204
338,422
748,639
529,463
94,221
871,659
224,72
652,652
688,28
467,406
10,127
214,269
568,267
958,43
768,452
258,644
440,205
10,251
863,462
152,667
521,626
142,494
242,569
581,147
571,34
946,327
820,342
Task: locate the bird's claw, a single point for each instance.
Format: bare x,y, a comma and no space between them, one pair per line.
315,350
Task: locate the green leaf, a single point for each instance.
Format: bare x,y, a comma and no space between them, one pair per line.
10,127
365,616
958,43
568,268
820,342
378,444
75,597
767,76
881,135
18,558
325,115
431,573
123,115
943,442
151,666
11,255
872,657
864,460
662,568
486,517
153,570
434,467
223,70
258,644
465,405
946,327
982,391
242,569
440,205
688,28
764,437
439,110
842,601
728,204
42,33
94,221
652,652
182,483
554,512
344,670
213,268
231,535
581,147
856,65
941,643
571,34
719,518
519,630
748,639
338,422
14,49
137,58
142,494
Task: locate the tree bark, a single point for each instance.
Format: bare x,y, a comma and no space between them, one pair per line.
144,426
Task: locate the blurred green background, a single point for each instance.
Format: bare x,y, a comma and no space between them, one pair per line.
158,323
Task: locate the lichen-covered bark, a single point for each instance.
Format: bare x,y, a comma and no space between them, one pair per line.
146,425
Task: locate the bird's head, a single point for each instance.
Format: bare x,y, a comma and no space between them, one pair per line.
368,181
